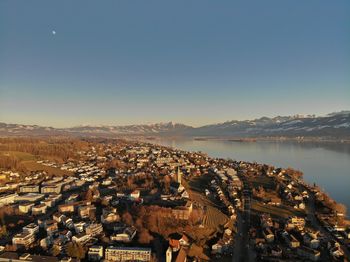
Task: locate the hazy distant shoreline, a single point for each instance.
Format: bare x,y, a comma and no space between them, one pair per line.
278,139
256,139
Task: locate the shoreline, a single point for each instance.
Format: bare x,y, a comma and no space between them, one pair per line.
248,139
158,141
275,139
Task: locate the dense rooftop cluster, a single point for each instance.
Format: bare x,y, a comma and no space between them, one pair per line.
125,201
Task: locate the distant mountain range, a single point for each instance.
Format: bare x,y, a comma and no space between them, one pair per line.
336,125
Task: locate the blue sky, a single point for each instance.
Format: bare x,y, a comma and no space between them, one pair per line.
194,62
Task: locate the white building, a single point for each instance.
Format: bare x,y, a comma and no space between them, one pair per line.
30,197
39,209
31,228
127,254
23,239
29,189
94,229
7,199
25,207
95,253
49,189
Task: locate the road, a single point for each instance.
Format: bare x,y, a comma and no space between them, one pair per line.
238,241
243,251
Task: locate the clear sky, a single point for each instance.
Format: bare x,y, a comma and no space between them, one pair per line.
66,63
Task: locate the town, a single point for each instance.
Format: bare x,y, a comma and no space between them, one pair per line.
120,200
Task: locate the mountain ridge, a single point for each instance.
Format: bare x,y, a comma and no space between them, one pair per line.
331,125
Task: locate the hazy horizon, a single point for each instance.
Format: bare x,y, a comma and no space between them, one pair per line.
66,63
174,122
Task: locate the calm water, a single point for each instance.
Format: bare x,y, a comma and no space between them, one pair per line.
328,165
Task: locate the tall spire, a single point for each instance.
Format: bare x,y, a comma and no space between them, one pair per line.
179,175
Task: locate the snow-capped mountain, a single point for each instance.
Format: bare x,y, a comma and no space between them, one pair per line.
159,128
335,125
132,129
332,125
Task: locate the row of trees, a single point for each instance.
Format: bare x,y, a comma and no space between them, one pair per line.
333,205
9,162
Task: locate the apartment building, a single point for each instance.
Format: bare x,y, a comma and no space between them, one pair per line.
31,228
29,189
95,253
127,254
23,239
51,189
25,207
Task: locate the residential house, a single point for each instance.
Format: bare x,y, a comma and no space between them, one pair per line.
109,216
25,207
25,239
296,222
7,199
311,239
135,194
266,221
276,251
275,201
176,241
65,235
66,208
51,226
39,209
14,257
86,211
79,227
68,222
58,217
29,197
95,253
81,238
94,229
46,242
126,235
268,235
49,202
29,189
216,248
51,189
309,253
31,228
291,240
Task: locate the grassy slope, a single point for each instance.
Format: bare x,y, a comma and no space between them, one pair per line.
29,161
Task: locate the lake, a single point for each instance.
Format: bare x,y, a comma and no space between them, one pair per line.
326,164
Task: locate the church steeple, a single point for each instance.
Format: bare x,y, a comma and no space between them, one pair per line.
179,175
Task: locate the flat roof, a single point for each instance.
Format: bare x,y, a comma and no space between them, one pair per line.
130,248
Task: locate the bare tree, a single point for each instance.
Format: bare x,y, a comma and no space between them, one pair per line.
145,237
127,219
